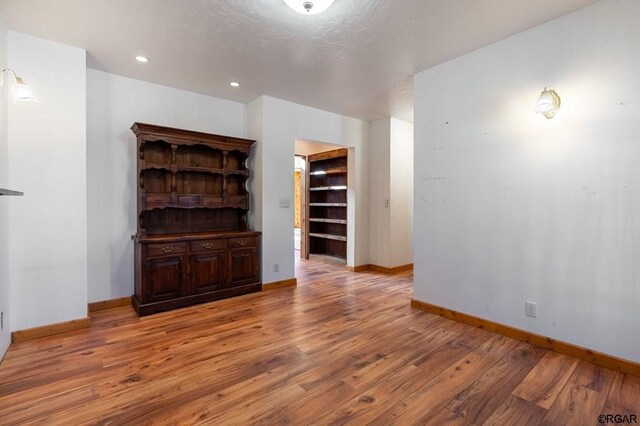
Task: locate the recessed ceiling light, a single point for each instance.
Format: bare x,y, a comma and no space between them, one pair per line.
142,59
234,84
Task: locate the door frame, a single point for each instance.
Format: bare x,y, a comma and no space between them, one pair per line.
304,209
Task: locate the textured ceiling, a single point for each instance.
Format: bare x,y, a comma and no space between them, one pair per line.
357,58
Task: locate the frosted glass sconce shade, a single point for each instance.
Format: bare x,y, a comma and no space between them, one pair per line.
20,90
548,103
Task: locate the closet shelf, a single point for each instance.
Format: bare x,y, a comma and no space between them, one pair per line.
328,236
328,188
321,220
331,171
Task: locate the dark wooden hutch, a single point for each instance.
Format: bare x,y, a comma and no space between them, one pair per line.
193,243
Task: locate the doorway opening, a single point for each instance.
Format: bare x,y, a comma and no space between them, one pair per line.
299,206
321,199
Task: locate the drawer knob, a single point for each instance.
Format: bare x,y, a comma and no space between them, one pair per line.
167,249
242,242
208,245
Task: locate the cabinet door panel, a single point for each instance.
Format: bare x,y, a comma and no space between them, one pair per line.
243,266
208,272
164,278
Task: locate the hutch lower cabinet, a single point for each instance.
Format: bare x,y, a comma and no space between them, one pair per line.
182,271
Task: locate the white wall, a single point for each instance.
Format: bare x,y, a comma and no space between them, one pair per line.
513,207
391,193
114,104
281,123
380,193
47,159
401,193
255,125
310,147
5,332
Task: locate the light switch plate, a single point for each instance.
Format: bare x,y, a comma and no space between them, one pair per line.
285,203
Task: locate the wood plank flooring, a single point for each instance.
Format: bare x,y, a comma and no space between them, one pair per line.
341,348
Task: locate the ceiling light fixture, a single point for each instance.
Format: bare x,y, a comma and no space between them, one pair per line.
21,91
142,59
234,84
309,7
548,103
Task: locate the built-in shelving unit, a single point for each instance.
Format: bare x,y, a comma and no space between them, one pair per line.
328,203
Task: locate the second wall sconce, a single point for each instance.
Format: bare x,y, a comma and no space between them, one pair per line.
548,103
21,90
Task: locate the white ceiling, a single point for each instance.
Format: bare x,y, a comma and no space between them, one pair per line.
357,58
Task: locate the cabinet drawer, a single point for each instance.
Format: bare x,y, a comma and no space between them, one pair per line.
242,242
166,249
206,245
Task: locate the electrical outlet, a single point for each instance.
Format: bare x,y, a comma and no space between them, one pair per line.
531,309
276,267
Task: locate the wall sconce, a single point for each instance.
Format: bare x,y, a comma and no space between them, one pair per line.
548,103
21,91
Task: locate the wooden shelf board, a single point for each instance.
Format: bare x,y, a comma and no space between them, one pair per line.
328,204
178,168
200,170
150,205
343,152
238,172
321,220
329,237
193,206
193,236
328,188
10,192
156,166
332,171
180,194
202,194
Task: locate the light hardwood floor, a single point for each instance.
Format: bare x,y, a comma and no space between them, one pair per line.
341,348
